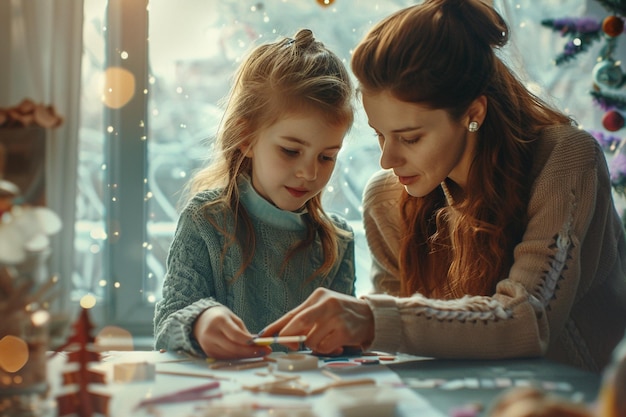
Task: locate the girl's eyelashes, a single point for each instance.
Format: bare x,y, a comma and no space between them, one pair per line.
290,152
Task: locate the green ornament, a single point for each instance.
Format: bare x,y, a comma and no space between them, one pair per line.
608,74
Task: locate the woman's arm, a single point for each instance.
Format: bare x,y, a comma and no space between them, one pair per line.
531,305
529,308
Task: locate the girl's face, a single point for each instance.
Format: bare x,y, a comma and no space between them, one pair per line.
293,159
421,145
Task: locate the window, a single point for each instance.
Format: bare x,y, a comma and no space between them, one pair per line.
174,60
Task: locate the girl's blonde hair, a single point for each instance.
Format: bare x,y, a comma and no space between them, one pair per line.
275,80
440,54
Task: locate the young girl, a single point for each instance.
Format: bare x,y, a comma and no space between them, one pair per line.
492,226
254,241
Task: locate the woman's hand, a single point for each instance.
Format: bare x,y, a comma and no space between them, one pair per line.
330,321
222,335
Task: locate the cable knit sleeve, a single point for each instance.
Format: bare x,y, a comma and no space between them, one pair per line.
344,279
186,287
530,314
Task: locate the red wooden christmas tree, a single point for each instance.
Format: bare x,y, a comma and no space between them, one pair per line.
82,402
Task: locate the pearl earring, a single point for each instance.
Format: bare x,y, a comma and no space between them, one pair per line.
473,127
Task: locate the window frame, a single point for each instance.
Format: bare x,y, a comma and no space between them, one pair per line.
125,155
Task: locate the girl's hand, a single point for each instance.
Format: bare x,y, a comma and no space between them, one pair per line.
222,335
330,321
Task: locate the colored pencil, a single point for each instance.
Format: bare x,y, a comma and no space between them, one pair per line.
264,341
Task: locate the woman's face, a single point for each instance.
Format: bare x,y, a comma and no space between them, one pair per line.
421,146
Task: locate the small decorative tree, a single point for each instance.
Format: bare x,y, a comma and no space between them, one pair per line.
82,402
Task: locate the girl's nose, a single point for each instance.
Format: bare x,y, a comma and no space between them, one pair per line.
308,170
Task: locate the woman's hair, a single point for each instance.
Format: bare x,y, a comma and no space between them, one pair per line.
273,81
441,55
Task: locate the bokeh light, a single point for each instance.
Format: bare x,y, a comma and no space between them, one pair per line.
114,338
40,318
88,301
119,87
13,353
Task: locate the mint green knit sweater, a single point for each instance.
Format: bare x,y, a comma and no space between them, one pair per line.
196,278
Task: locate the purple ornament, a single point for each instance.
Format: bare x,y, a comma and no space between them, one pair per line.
608,143
570,48
618,170
568,25
588,25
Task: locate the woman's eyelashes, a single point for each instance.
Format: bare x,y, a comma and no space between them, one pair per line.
408,141
380,138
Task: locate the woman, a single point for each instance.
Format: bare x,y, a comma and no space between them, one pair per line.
492,226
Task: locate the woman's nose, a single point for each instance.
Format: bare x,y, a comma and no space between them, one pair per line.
389,158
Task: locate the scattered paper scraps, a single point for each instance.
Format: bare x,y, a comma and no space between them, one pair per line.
485,383
296,362
371,401
134,372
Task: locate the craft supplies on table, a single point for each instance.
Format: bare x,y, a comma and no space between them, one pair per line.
187,387
421,386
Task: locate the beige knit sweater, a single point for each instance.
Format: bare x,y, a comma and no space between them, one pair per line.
565,294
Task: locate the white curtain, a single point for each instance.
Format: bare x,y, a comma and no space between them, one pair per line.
40,59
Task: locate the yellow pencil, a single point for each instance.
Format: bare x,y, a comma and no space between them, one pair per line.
265,341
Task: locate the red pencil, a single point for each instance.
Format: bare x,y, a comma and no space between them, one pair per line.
190,394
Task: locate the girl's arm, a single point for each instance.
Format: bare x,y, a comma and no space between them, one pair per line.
186,292
190,318
343,280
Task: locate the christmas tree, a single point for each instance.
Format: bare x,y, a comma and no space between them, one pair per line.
608,79
82,402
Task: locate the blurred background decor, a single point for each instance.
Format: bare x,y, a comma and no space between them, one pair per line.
608,81
25,294
23,147
26,287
